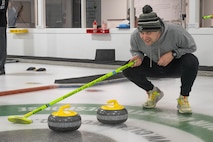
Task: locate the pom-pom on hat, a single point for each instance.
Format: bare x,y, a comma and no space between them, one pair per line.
149,21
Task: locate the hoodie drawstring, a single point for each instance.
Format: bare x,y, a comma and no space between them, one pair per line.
150,64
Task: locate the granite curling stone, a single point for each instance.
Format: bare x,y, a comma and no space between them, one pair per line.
64,120
112,113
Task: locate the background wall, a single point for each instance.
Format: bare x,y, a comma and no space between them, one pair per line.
113,9
68,43
77,44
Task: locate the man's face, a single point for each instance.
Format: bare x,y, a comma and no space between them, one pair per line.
150,38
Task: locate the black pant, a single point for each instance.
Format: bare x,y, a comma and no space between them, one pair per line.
3,47
186,68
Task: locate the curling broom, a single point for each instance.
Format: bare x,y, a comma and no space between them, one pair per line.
25,120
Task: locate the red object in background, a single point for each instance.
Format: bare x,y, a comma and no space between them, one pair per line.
98,31
95,24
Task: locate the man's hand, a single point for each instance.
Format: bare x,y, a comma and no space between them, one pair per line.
165,59
137,60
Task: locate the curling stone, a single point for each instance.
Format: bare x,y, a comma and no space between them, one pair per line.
64,120
112,113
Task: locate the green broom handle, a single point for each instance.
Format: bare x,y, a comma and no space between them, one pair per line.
81,88
208,16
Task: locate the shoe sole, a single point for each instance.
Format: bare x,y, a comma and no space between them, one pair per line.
154,106
183,112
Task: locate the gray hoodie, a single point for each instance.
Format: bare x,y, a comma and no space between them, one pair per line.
174,37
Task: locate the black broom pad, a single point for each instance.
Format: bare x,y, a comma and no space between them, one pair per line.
87,79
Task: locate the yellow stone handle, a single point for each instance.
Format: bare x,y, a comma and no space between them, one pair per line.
112,105
64,113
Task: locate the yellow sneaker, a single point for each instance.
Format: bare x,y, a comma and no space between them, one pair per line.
183,105
153,97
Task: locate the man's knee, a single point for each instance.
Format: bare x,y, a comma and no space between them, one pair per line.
190,60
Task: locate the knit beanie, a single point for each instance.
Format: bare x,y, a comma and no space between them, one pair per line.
148,21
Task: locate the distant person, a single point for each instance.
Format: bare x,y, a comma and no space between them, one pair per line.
162,50
3,35
12,15
136,18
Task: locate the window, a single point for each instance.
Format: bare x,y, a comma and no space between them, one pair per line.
58,13
21,14
67,13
